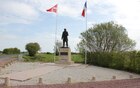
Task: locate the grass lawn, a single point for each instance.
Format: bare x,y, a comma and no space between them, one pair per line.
77,58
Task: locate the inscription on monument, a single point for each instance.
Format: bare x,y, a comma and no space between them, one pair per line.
63,53
65,56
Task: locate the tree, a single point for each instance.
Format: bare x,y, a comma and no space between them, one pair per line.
106,37
11,51
32,48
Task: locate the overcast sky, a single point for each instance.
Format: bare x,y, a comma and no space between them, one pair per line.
24,21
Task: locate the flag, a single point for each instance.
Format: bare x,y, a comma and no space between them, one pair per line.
84,9
53,9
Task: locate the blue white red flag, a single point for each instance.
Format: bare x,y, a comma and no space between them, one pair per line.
84,9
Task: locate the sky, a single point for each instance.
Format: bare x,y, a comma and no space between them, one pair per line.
25,21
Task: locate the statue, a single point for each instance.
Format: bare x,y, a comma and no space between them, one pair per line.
65,37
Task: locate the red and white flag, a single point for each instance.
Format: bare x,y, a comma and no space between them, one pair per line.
84,9
53,9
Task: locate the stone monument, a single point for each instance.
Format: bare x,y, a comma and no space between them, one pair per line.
65,56
65,52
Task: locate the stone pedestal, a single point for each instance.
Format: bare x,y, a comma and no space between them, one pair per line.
65,56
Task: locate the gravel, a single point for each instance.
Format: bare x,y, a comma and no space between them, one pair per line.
77,73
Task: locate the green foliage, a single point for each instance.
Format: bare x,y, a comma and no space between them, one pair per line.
50,58
48,53
11,51
40,58
117,61
105,37
32,48
77,58
129,61
96,58
107,45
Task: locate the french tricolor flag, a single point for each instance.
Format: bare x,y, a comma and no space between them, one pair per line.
84,9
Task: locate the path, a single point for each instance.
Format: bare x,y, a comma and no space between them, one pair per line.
25,75
6,59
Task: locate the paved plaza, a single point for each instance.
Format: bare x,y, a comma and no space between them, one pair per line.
22,73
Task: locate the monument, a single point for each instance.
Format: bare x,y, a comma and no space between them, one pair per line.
65,51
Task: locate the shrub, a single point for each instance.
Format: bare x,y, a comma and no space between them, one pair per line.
117,61
11,51
129,61
32,48
99,58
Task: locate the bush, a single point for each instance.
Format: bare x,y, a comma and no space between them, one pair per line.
48,53
11,51
137,62
129,61
32,48
117,61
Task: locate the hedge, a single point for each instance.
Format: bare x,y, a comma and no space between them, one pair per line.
129,61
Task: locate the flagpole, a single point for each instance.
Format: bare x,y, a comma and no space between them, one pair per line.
54,9
86,30
55,36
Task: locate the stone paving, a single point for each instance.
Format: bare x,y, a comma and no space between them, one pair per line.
29,74
77,73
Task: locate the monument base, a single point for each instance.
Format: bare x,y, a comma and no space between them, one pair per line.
64,56
65,63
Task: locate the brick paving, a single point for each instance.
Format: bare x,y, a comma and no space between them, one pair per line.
127,83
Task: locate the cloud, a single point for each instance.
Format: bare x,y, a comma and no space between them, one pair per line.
127,13
16,12
69,8
124,12
27,11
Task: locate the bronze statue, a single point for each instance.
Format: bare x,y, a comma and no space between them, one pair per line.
65,37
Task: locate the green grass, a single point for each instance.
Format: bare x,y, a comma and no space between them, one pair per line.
77,58
40,58
50,58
